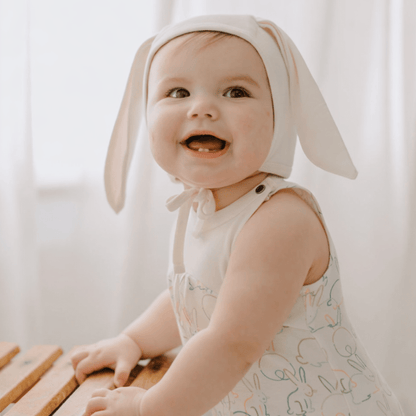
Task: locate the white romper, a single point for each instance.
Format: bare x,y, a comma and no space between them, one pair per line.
315,365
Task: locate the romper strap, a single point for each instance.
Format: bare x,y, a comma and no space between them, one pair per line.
206,207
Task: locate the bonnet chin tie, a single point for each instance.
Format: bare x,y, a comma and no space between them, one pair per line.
184,201
299,107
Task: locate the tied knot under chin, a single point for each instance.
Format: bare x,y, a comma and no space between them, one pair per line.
203,197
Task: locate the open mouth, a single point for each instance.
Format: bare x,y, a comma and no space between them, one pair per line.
204,143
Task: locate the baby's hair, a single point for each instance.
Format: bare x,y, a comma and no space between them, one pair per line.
205,37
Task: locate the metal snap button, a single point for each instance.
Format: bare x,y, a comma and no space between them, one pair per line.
260,189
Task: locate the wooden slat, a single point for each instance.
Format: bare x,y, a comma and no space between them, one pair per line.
76,403
25,371
51,390
133,374
7,351
154,371
144,377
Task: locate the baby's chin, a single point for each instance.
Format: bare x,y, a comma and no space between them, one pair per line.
207,183
215,183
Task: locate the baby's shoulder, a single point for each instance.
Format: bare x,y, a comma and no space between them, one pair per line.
288,221
293,206
283,236
285,216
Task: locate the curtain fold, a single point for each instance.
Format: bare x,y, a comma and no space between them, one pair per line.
19,285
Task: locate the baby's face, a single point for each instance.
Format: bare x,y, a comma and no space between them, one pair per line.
210,114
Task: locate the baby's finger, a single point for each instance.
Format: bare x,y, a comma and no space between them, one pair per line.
122,372
100,393
95,405
87,366
77,357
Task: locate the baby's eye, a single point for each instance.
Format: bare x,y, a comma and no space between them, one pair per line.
237,92
178,93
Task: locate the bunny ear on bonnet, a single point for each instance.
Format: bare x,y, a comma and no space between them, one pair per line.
318,134
126,128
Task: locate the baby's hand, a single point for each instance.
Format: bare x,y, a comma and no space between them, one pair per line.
124,401
120,354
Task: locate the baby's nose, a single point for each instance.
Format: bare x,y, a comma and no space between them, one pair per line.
203,108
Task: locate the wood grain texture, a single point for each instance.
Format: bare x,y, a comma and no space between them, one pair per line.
51,390
57,391
76,403
7,351
154,371
21,374
144,377
133,374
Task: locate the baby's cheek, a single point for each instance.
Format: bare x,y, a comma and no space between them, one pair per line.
246,123
158,152
250,160
250,157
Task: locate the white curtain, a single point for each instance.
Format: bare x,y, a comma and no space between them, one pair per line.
19,288
98,271
81,57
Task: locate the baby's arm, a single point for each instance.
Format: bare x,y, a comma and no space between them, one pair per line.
150,335
156,330
272,257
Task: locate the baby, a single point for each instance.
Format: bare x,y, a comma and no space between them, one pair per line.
254,293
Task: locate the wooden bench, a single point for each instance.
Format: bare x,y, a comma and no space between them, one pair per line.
41,382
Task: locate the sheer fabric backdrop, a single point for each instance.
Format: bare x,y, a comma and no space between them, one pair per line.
19,286
98,271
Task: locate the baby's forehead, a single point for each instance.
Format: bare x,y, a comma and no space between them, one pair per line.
198,40
191,46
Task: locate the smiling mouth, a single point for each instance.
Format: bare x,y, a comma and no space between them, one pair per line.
204,143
